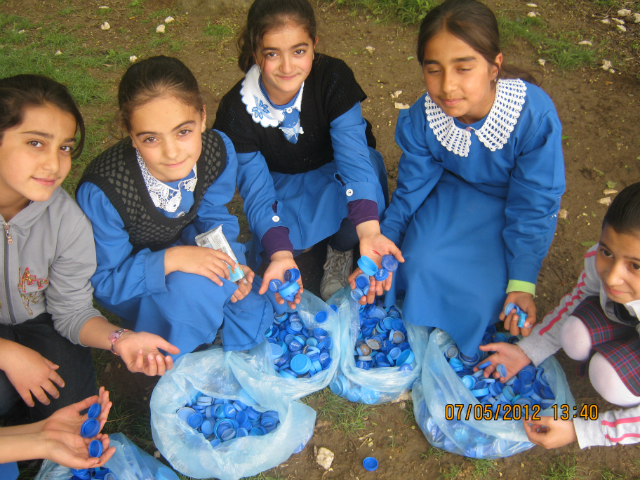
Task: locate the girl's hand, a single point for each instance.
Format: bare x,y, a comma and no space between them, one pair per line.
30,373
280,263
525,301
244,284
140,352
199,260
550,433
71,450
511,356
69,419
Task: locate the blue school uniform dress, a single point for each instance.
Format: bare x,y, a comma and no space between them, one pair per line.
136,217
306,165
475,208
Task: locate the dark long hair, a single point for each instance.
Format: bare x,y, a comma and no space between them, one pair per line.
475,24
20,92
265,15
152,78
623,214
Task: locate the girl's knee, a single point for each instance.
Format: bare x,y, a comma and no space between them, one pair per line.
608,384
576,339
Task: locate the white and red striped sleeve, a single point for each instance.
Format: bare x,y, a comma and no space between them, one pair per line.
612,428
544,339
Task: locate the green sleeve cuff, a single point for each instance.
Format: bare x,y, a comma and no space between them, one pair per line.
520,286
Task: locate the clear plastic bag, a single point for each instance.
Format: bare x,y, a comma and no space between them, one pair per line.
128,463
254,368
378,385
440,386
190,453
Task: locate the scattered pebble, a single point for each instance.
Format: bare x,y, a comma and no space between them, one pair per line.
606,65
369,48
605,201
605,21
58,52
636,18
103,7
532,5
542,61
161,28
169,19
405,397
562,214
622,28
586,42
21,31
324,458
532,14
401,106
133,59
624,12
618,21
610,191
105,26
396,94
156,454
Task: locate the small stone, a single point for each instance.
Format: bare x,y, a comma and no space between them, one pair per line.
133,59
636,18
624,12
58,52
105,26
403,405
324,458
606,65
605,21
586,42
369,48
622,28
103,7
21,31
156,454
396,94
542,61
404,397
562,214
610,191
611,70
605,201
401,106
169,19
618,21
532,14
161,28
532,5
107,369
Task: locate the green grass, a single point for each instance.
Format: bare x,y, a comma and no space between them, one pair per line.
406,11
561,469
608,474
218,31
136,7
452,472
484,469
343,415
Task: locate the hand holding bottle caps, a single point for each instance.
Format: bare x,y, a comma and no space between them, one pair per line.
360,280
519,313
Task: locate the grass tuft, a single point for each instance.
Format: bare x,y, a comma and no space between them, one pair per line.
407,11
348,417
562,469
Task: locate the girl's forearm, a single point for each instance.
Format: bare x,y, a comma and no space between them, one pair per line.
29,428
95,333
16,448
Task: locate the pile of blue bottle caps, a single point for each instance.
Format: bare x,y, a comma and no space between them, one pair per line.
299,352
221,420
90,473
530,387
383,339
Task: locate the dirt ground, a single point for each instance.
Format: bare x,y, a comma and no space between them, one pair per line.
599,113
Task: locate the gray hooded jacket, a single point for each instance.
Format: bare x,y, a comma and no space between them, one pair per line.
47,261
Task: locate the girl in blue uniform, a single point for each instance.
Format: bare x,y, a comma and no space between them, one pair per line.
308,168
479,181
148,197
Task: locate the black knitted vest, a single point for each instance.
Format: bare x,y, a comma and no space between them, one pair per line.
117,173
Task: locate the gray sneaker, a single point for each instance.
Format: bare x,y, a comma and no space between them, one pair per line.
337,269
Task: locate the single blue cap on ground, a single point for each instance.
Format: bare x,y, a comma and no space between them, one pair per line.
95,448
367,265
90,428
370,464
389,262
321,316
94,410
502,370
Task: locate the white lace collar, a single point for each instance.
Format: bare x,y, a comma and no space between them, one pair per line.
260,108
497,128
165,197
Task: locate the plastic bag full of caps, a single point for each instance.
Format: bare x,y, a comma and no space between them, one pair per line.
297,351
221,420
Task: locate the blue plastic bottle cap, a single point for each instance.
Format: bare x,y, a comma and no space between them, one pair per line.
484,365
510,307
292,275
195,420
362,282
527,374
513,339
397,337
274,285
522,318
480,392
320,333
207,427
90,428
502,370
334,308
389,262
363,350
230,411
456,364
80,471
296,326
374,344
300,364
110,476
451,351
357,294
257,432
406,368
370,464
321,316
381,274
94,410
185,412
406,357
95,448
468,381
215,442
276,351
394,353
367,265
204,400
289,291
